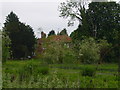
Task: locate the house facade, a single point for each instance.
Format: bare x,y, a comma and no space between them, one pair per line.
62,39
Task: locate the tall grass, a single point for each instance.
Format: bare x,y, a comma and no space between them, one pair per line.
34,74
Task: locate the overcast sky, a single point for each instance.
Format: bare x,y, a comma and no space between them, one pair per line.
36,13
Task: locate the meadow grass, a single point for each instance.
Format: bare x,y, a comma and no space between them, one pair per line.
16,74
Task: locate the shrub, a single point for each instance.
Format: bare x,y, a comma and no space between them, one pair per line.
58,52
105,54
5,47
89,71
69,55
43,70
108,51
32,69
25,72
89,51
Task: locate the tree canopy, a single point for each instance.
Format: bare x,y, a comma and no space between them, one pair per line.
104,20
73,9
101,21
63,32
52,32
21,36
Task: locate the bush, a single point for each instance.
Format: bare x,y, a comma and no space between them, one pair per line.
43,70
32,69
58,52
89,51
5,47
108,52
26,71
105,55
89,71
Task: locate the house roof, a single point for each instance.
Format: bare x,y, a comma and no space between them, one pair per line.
61,38
54,38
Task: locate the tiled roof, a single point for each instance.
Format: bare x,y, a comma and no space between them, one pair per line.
54,38
61,38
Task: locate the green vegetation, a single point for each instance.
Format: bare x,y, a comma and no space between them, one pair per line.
57,77
57,52
89,71
21,36
86,59
52,32
63,32
5,46
89,51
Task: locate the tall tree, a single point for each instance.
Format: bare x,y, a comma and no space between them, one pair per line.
104,18
73,9
52,32
64,32
76,10
76,34
43,35
21,35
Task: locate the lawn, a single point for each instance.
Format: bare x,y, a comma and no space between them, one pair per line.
35,74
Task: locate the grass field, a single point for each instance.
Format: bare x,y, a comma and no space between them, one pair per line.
34,74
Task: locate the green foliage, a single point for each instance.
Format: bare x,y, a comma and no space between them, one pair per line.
52,32
63,32
5,46
43,69
89,71
78,34
69,56
33,69
21,36
73,10
74,35
58,52
100,20
57,77
43,35
108,51
89,51
105,51
103,18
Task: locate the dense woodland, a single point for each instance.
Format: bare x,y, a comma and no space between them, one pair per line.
95,41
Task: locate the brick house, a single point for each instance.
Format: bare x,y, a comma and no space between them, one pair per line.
66,40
